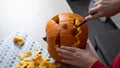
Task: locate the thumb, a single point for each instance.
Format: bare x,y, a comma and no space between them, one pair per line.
95,16
95,9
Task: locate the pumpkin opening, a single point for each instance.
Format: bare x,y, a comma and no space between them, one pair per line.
56,19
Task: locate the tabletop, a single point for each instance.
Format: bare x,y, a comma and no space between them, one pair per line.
30,16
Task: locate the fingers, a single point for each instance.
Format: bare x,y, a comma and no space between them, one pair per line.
67,61
65,56
99,10
94,10
98,2
94,13
72,49
65,52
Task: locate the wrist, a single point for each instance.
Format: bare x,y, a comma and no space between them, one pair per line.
93,59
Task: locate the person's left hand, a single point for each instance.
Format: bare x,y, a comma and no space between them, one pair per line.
75,56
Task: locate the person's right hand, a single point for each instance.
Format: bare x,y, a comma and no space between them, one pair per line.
104,8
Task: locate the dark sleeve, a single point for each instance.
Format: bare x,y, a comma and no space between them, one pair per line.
98,64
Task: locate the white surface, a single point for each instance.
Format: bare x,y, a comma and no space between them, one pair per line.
93,50
116,20
29,16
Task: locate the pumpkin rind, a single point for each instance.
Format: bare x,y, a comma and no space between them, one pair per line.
62,25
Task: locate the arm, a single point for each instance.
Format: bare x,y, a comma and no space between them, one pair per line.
104,8
84,58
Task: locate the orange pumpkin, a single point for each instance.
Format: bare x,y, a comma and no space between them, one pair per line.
59,32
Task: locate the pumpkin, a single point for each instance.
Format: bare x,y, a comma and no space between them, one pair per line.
59,33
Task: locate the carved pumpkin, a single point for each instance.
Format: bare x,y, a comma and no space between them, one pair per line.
58,33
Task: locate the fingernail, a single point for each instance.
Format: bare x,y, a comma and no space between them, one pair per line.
86,18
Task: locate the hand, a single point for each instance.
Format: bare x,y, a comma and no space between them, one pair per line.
75,56
104,8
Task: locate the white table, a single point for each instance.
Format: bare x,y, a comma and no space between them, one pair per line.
29,16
